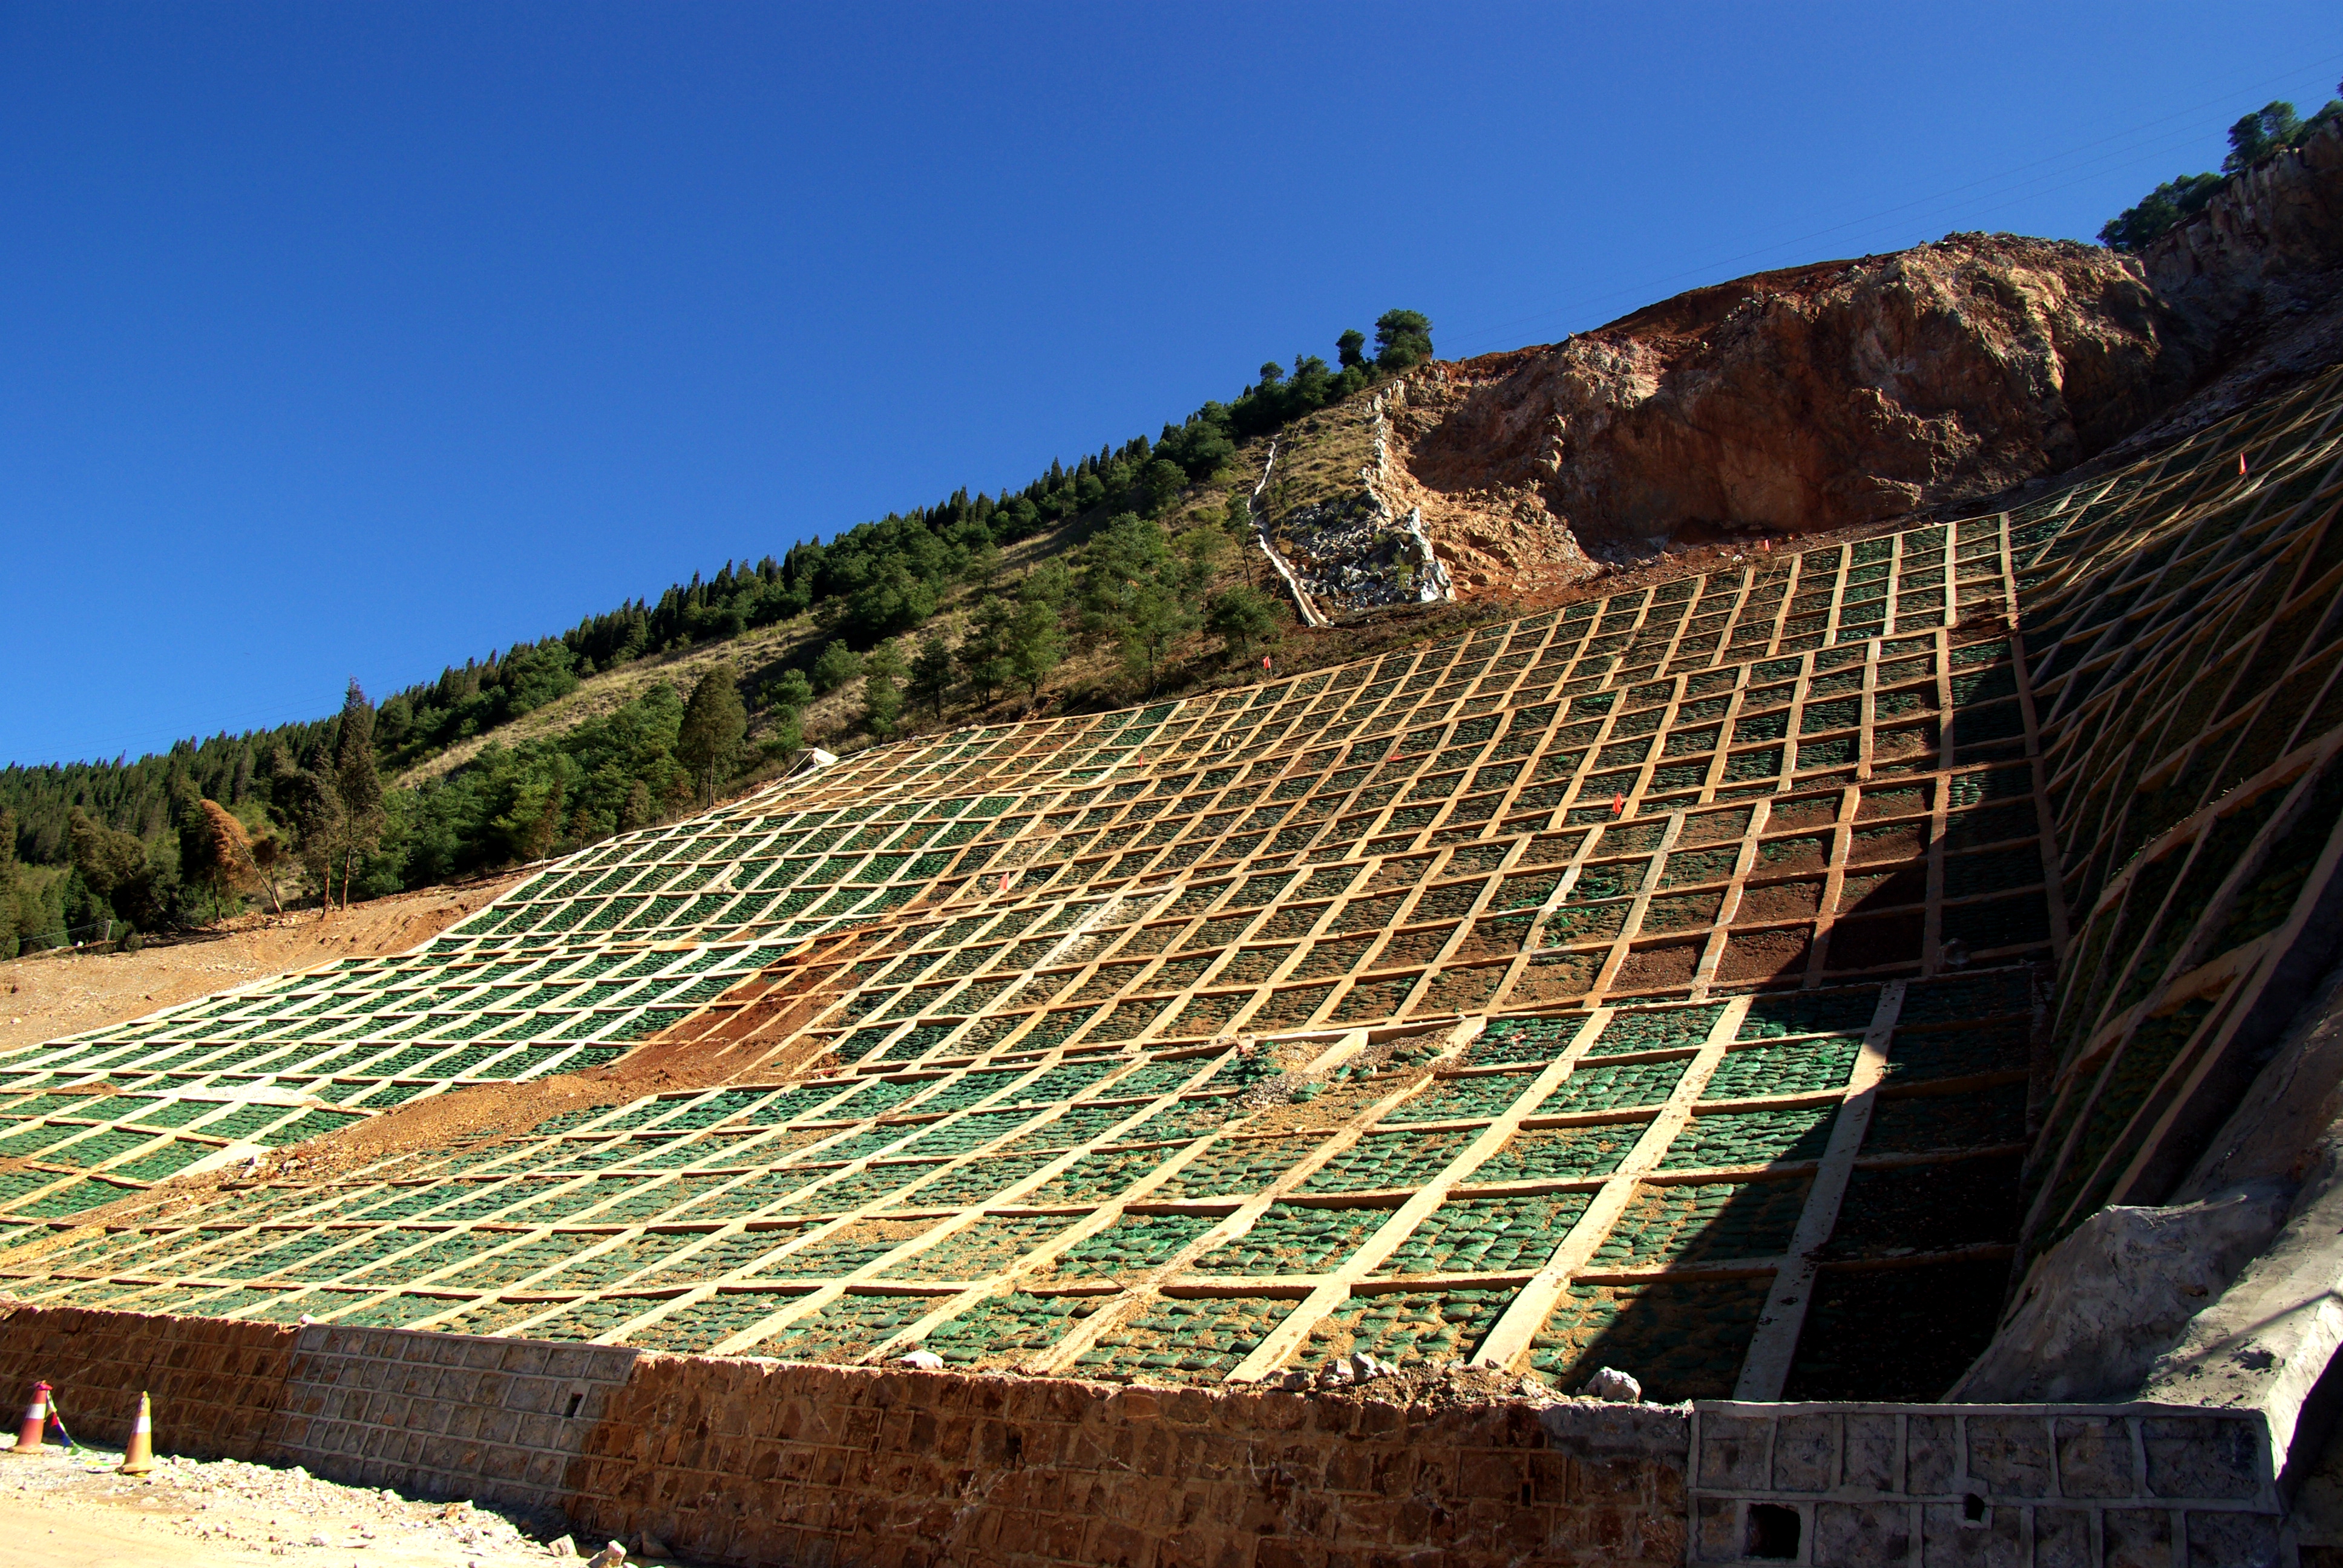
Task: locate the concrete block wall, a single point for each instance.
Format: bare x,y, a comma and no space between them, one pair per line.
449,1415
2025,1486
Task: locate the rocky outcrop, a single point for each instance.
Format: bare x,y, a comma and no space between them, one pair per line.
2273,225
1849,392
1841,393
2107,1300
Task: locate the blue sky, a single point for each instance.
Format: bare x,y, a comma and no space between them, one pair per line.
351,340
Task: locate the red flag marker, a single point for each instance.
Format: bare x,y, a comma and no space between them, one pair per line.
1264,657
1618,804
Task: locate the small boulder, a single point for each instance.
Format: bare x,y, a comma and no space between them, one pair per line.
1611,1384
925,1361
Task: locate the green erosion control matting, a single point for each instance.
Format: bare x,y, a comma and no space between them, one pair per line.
1650,951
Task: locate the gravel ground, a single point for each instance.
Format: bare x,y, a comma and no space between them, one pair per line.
66,1510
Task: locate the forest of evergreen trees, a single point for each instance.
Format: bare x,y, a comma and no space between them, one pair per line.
659,755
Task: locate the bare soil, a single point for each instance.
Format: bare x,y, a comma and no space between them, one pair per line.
45,997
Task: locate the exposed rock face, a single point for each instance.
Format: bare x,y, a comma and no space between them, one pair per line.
1836,394
1849,392
2108,1300
2268,228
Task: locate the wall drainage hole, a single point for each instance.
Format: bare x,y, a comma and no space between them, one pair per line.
1774,1531
576,1402
1972,1509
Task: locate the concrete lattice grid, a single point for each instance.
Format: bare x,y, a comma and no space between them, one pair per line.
1667,968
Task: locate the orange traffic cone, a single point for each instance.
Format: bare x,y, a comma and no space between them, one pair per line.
36,1422
139,1458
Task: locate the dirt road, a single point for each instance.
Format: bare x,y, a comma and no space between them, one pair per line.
43,997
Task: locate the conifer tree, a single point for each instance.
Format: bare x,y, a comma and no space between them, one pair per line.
357,784
931,671
11,924
1241,617
114,866
984,652
1033,643
714,720
1402,338
310,795
834,667
882,690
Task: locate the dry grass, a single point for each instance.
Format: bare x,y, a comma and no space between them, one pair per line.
1323,457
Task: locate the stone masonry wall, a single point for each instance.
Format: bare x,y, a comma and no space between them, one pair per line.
751,1462
216,1386
748,1462
755,1462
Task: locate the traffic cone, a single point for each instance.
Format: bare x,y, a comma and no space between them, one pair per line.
36,1422
139,1458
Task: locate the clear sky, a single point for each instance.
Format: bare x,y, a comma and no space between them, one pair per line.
353,339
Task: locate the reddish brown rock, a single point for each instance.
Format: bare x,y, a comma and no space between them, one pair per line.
1797,401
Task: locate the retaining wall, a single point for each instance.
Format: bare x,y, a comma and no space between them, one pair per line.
765,1462
2027,1487
750,1462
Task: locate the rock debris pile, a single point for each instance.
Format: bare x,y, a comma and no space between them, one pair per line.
1351,554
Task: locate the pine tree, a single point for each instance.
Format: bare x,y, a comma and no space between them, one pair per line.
114,866
1240,617
357,784
714,720
931,671
984,652
11,925
1402,338
1033,643
834,667
310,797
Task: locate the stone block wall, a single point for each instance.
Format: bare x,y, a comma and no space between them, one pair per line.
447,1415
754,1462
216,1386
2027,1487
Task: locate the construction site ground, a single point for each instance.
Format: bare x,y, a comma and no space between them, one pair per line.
73,1510
48,995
